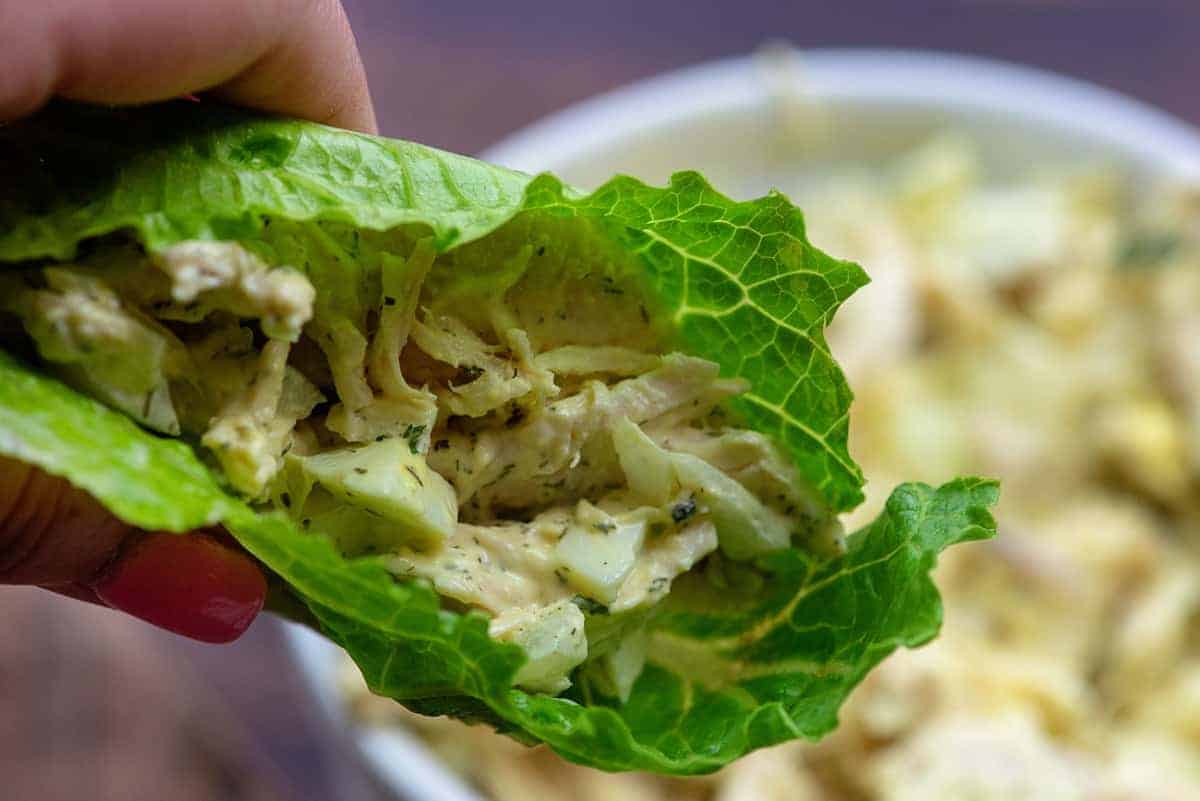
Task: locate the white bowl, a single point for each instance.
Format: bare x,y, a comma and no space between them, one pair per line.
724,118
728,119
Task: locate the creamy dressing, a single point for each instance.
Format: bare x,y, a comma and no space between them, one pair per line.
506,567
465,429
496,567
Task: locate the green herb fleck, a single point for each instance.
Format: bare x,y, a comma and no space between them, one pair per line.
683,510
1145,249
412,435
413,473
589,606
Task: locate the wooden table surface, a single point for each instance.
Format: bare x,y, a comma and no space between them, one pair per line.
94,707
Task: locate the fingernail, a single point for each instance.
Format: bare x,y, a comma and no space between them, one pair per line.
190,584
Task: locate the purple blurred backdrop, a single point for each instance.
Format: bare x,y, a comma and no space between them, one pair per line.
462,74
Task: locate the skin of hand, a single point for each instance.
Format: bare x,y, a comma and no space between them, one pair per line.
293,57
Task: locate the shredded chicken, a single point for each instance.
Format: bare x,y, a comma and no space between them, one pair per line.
485,382
459,434
392,406
101,344
250,435
528,464
223,275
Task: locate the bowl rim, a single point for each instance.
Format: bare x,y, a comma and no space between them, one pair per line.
929,78
918,78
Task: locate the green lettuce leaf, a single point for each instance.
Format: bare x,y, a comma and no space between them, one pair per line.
735,282
739,282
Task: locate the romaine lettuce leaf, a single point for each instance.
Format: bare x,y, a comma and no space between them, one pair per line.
739,282
757,663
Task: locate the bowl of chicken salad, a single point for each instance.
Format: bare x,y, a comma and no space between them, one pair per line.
1033,244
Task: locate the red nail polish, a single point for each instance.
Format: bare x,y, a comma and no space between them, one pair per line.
190,584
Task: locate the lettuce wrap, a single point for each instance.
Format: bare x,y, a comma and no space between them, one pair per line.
568,464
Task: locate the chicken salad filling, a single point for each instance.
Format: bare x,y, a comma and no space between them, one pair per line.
531,447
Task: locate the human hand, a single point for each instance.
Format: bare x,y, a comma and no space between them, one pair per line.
56,536
294,57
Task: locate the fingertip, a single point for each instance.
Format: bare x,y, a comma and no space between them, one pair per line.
314,72
27,79
360,117
51,532
292,57
190,584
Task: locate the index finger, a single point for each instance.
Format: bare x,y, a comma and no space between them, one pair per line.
295,57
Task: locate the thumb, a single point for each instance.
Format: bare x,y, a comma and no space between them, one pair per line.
57,536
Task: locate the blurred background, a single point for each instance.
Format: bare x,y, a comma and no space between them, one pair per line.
462,75
96,707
